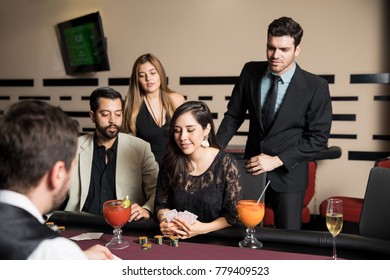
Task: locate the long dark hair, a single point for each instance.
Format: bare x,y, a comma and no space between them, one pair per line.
175,163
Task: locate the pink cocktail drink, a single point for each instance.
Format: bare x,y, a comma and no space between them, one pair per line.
116,213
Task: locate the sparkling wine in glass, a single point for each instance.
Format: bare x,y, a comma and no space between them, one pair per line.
334,220
116,215
250,213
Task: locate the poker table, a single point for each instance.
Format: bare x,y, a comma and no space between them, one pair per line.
223,244
187,250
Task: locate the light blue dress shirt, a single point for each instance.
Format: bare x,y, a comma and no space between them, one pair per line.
282,86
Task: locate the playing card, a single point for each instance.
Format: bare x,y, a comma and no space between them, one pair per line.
116,257
87,236
184,216
193,217
170,215
188,217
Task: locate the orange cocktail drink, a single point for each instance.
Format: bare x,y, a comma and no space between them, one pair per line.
115,214
250,212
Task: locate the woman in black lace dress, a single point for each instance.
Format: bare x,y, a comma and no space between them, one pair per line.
196,176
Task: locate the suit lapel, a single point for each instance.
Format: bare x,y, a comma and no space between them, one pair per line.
122,167
85,166
255,88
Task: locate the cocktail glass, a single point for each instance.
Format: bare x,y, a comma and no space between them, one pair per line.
250,213
116,215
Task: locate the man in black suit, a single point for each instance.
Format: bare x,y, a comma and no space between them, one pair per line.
297,129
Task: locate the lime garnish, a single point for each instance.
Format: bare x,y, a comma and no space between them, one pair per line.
126,202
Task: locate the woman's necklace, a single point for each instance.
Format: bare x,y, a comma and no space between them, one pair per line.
159,124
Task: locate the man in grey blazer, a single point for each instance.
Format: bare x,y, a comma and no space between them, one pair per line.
300,126
110,164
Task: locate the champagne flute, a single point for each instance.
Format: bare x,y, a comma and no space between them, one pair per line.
250,213
334,220
116,215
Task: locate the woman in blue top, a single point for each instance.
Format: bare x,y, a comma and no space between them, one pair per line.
150,103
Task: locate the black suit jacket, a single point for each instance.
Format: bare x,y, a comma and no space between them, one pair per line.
301,128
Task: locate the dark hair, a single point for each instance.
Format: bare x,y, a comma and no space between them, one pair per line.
286,26
33,137
103,92
175,163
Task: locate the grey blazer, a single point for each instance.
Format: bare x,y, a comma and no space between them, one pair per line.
136,172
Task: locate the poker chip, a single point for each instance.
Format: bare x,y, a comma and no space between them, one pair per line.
158,239
174,241
60,228
142,240
54,227
146,246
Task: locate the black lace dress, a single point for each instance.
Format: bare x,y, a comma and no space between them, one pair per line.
211,195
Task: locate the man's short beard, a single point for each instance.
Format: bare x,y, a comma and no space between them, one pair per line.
105,133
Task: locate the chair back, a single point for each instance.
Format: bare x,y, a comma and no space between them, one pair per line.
375,215
252,185
311,183
383,162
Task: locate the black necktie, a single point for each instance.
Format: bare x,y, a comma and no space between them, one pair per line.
269,104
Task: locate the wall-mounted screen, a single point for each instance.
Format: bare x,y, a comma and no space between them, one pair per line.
83,44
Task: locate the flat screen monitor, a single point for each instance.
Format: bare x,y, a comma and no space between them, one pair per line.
83,44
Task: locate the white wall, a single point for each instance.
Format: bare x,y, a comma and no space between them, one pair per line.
215,38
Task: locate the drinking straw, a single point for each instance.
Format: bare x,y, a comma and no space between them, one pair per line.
266,186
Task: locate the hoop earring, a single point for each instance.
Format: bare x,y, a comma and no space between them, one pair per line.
205,142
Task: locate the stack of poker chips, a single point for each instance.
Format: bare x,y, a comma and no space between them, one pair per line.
158,239
174,241
60,228
142,240
54,227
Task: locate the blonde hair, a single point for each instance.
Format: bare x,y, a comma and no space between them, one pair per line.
135,95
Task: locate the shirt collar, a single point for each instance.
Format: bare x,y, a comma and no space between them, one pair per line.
286,77
113,148
21,201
